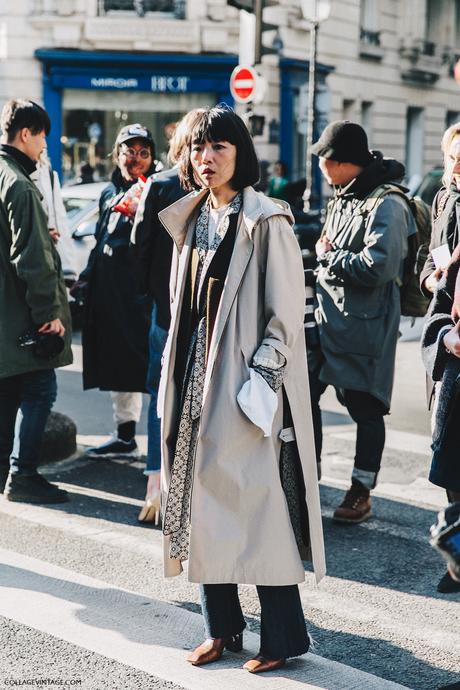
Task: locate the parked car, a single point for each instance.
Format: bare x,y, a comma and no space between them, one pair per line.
81,202
430,184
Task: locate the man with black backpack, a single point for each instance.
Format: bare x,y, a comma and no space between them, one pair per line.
361,270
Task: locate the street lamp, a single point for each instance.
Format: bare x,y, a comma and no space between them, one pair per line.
314,11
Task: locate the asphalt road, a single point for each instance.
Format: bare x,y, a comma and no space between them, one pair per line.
377,610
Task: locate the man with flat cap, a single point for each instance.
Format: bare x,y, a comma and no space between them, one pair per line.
360,255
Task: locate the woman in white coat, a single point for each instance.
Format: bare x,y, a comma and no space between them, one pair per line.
239,486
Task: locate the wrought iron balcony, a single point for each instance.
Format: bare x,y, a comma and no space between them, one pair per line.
369,44
370,37
421,61
143,7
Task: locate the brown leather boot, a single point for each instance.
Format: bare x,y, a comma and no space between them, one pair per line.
212,649
356,506
260,664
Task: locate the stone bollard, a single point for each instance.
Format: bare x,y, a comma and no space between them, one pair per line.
59,440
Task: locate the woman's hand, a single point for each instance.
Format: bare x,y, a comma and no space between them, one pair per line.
452,340
431,283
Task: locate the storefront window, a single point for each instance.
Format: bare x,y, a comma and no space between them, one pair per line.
92,119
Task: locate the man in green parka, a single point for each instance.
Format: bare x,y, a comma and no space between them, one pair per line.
360,256
35,330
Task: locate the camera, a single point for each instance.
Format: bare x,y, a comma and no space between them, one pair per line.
44,345
445,537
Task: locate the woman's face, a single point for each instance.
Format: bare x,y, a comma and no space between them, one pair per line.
213,163
453,161
134,158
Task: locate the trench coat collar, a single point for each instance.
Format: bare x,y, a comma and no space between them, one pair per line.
256,206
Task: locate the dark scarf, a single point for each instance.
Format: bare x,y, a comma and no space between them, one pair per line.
447,214
26,163
210,296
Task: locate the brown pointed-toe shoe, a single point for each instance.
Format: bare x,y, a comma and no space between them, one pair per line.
260,664
211,649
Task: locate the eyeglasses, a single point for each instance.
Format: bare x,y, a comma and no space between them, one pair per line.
132,153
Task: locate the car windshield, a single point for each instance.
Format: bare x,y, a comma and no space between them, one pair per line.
75,205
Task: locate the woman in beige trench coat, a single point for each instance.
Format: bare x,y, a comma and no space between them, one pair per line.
240,494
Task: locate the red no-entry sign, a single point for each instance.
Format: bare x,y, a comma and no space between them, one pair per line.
243,84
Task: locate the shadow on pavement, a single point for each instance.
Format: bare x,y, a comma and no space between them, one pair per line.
372,655
391,550
120,479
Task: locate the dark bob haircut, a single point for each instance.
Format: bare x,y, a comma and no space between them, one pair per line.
19,113
221,123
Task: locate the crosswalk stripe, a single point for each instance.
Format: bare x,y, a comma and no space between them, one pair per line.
95,529
148,634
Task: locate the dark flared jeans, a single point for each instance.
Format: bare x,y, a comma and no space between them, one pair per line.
33,394
283,632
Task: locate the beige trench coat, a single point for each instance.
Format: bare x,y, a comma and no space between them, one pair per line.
240,527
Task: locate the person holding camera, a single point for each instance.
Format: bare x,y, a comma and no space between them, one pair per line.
35,333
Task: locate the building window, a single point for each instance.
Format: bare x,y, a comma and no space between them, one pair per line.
142,7
433,27
366,118
414,142
348,109
369,22
93,118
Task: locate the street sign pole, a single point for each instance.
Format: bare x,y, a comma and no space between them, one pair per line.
258,11
315,11
310,117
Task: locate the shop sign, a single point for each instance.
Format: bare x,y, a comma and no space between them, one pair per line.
165,84
114,83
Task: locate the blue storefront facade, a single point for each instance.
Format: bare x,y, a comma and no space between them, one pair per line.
90,94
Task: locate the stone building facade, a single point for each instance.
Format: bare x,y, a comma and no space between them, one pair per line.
97,64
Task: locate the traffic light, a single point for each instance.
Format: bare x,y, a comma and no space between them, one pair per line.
256,124
247,5
256,7
250,5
